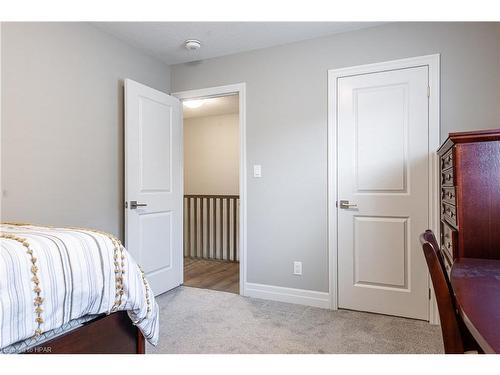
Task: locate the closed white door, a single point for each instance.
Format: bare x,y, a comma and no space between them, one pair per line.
383,179
153,184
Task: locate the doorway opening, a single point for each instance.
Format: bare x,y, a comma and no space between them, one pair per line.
211,127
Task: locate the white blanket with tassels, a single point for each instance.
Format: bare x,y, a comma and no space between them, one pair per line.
51,276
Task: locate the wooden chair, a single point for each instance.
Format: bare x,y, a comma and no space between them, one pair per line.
456,337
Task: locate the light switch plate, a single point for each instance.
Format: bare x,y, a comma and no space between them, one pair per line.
257,171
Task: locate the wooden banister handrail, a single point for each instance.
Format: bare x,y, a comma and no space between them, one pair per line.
211,223
211,196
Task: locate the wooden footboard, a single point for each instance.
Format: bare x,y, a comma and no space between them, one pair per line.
111,334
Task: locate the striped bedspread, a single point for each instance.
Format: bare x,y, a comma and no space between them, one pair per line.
51,276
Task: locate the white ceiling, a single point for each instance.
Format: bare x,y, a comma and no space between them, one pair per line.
223,105
165,39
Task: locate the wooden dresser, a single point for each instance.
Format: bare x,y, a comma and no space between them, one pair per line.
470,195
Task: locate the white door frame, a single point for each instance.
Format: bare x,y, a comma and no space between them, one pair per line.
238,88
432,61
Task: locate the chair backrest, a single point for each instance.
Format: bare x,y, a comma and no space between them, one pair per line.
450,321
428,236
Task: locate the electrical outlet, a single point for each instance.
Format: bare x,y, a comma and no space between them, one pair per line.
297,268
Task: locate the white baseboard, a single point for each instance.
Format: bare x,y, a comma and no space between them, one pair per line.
290,295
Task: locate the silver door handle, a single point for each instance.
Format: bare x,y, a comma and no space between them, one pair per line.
134,205
346,204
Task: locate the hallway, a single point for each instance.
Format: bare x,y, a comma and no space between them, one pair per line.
212,274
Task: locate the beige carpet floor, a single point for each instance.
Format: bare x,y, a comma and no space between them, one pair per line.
205,321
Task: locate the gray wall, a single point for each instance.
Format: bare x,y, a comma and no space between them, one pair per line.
211,154
287,126
62,122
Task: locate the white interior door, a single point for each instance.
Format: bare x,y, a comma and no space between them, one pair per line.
383,170
153,184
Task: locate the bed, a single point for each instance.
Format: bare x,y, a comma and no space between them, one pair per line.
72,290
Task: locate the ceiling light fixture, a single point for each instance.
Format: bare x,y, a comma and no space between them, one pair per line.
197,103
192,44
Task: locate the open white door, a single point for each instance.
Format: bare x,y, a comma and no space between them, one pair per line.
153,184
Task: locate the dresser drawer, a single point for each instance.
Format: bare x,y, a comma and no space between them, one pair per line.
448,195
447,160
447,178
449,213
449,241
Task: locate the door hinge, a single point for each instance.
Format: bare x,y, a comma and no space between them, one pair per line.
429,294
428,91
126,204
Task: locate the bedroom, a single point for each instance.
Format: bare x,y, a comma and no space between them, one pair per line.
92,157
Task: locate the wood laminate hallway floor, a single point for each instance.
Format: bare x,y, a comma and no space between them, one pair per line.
212,274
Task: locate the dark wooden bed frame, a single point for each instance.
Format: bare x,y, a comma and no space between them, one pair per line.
109,334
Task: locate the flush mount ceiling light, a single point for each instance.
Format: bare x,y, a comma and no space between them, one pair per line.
194,103
192,44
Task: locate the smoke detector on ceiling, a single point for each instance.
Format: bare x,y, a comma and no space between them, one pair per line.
192,44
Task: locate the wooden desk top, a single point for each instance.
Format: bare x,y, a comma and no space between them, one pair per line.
476,284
